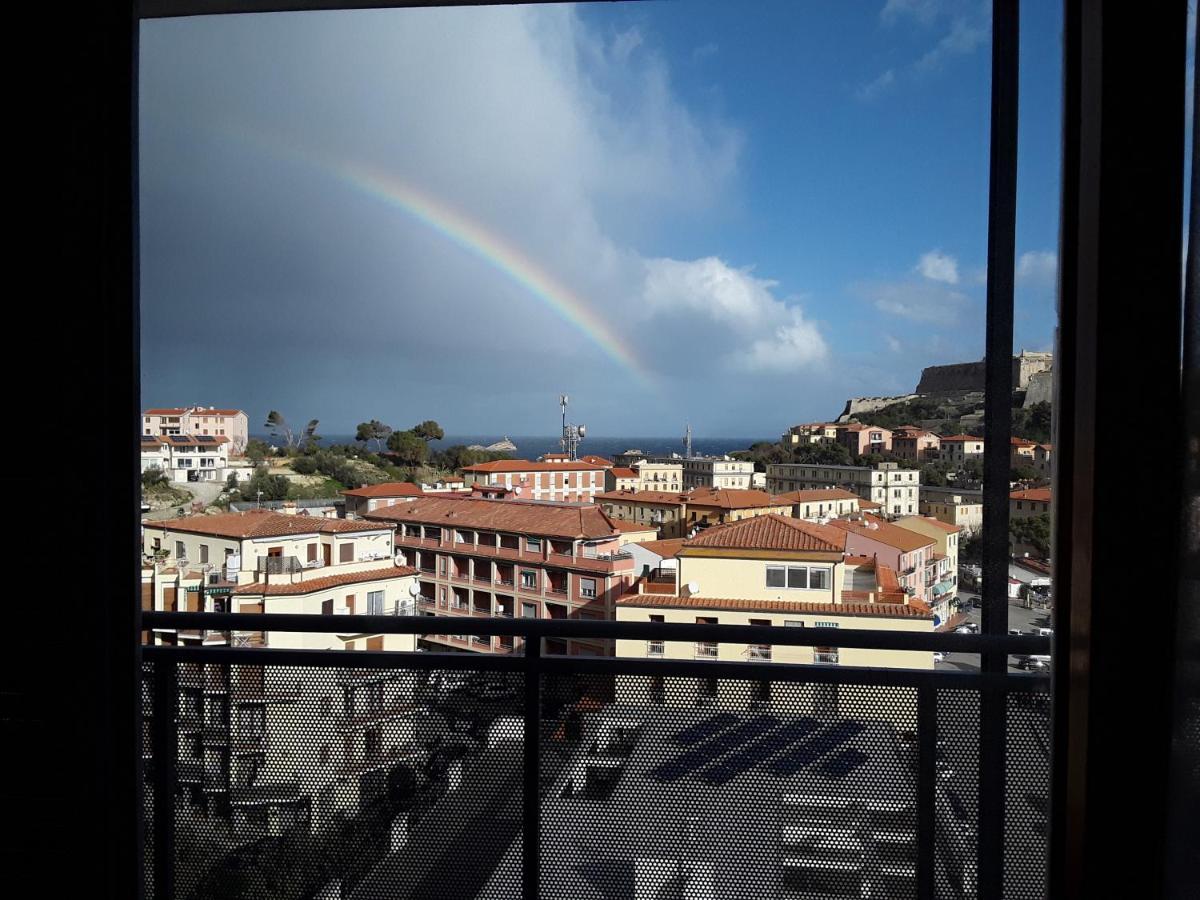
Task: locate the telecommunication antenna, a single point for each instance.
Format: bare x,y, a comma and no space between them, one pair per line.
687,442
571,434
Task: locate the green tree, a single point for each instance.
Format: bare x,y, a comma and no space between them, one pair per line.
408,448
373,431
309,438
278,426
1033,531
152,478
429,430
257,451
273,487
305,465
932,475
822,453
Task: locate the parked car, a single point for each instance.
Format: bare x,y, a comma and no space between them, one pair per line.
1045,632
1033,663
939,656
968,628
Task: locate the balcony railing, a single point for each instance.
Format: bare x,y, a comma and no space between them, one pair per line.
279,565
848,775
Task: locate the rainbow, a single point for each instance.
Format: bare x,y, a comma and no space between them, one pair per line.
471,236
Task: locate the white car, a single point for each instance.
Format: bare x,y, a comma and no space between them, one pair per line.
939,656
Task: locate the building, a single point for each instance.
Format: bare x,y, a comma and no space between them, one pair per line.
709,471
705,508
771,570
634,533
810,433
370,497
1022,452
946,538
592,459
915,444
510,558
240,727
863,439
961,448
912,556
963,511
619,478
895,489
1042,455
1027,503
185,458
559,480
196,420
447,484
821,503
658,476
664,510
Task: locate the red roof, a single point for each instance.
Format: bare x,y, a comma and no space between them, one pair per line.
622,525
959,438
815,496
875,610
261,523
164,412
884,532
669,498
935,523
597,461
620,472
312,585
524,465
665,548
1041,495
729,498
1021,442
770,532
387,489
501,515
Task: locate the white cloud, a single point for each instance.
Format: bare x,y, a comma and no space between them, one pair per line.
923,11
893,344
966,33
938,266
768,334
878,87
918,301
1038,268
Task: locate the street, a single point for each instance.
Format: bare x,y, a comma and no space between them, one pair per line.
1027,620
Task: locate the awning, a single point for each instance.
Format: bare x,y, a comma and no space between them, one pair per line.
940,588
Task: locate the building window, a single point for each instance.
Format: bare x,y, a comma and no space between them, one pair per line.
587,587
529,580
346,552
204,553
818,579
776,577
179,553
797,577
375,603
533,544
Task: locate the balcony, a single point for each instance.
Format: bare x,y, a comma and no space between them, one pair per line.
278,565
847,776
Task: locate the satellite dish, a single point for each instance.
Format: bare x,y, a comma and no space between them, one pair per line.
693,588
582,430
414,589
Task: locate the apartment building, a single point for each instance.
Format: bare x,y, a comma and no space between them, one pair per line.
664,510
510,558
960,448
1027,503
911,555
558,479
241,755
964,512
708,471
915,444
658,476
705,508
945,537
231,424
593,460
895,489
1042,455
810,433
774,571
1022,452
620,478
186,457
370,497
821,504
862,439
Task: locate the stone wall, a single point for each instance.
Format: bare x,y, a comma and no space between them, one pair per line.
1040,388
952,378
1029,364
856,405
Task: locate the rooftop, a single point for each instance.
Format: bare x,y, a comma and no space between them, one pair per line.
313,585
1041,495
884,532
523,465
261,523
584,521
816,496
874,610
386,489
770,532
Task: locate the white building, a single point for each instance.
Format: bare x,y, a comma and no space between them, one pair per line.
896,490
709,471
186,457
230,424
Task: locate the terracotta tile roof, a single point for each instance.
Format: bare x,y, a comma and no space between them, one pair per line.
670,498
596,461
885,577
201,411
387,489
1046,446
501,515
729,498
1021,442
261,523
959,438
853,560
621,472
816,496
873,610
665,548
1034,565
1041,495
884,532
164,412
869,504
312,585
770,532
856,426
524,465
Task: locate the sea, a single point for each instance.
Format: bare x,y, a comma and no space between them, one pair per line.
533,446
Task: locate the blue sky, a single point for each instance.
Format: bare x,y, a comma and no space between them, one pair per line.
770,212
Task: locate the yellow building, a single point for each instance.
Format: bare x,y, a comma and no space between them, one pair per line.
955,510
945,538
662,510
773,571
719,506
822,503
658,476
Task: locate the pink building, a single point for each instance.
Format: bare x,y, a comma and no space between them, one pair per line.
915,444
913,556
231,424
863,439
565,481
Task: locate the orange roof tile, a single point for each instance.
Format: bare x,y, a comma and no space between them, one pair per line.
959,438
501,515
1041,495
873,610
313,585
669,498
665,548
622,525
816,496
386,489
729,498
524,465
884,532
622,472
596,461
261,523
770,532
